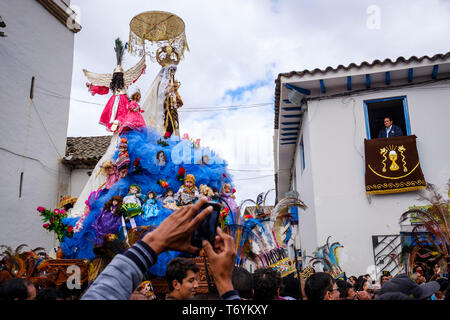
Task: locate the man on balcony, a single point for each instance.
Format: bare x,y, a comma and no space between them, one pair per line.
390,129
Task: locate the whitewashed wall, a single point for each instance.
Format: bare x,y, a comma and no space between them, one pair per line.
78,179
333,183
305,187
33,136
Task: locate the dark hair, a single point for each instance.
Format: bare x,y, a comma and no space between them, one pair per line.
388,117
266,283
443,283
117,81
158,153
343,287
417,267
381,278
177,270
167,191
109,203
242,281
317,285
49,294
16,288
291,287
154,196
353,277
359,285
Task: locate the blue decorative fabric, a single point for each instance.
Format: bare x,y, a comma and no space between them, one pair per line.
143,145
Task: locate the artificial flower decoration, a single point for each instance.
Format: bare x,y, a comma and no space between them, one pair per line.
53,222
137,165
163,183
181,173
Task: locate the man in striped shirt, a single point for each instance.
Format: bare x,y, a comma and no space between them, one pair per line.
124,273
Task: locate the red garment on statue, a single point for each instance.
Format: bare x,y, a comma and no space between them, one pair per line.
133,119
122,108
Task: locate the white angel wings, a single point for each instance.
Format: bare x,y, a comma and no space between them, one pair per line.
129,76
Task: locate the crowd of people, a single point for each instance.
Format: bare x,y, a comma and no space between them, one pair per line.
122,278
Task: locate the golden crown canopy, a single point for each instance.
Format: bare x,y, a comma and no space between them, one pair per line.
160,35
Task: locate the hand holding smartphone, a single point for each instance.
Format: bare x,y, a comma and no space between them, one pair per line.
207,228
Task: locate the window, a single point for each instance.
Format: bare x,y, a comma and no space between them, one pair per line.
20,184
302,155
376,110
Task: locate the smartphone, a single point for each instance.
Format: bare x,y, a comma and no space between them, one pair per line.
207,228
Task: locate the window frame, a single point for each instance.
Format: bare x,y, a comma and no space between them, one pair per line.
302,154
405,113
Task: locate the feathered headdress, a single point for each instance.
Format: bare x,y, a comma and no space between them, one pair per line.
327,256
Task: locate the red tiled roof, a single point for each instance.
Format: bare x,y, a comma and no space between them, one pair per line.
85,152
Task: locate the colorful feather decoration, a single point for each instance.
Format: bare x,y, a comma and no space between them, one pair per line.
328,257
435,221
119,48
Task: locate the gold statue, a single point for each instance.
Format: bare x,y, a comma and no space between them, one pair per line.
171,104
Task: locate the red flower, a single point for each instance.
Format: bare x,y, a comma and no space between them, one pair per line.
136,162
56,211
224,175
45,225
41,209
181,171
233,191
69,229
62,211
167,134
163,183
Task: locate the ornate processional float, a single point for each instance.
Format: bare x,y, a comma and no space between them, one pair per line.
149,170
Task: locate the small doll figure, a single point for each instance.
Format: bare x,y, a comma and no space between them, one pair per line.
206,192
161,158
133,119
111,173
132,204
215,196
228,196
149,208
169,200
204,160
188,192
109,219
123,160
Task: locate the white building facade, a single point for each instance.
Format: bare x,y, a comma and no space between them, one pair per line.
322,118
36,58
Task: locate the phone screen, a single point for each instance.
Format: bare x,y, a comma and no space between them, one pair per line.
207,229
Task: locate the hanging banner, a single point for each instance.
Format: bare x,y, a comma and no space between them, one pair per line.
392,165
